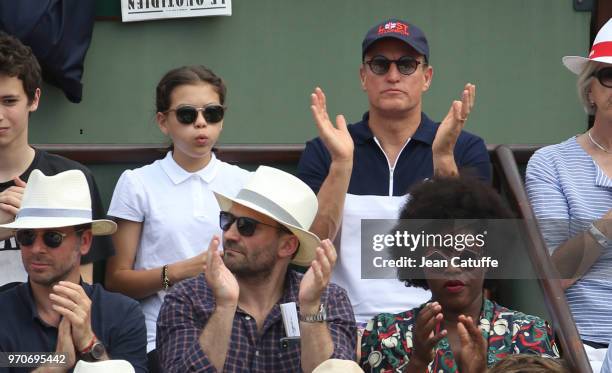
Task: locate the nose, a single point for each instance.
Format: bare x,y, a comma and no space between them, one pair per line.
393,74
232,233
451,269
200,121
38,245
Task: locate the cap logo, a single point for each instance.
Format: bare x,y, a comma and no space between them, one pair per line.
397,27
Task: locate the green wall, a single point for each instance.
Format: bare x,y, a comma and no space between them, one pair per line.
272,53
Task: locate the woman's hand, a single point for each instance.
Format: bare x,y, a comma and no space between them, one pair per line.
473,346
423,337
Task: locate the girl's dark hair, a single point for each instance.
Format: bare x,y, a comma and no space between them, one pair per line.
186,75
451,198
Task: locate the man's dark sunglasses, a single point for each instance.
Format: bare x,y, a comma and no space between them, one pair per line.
380,65
188,114
246,226
52,239
604,76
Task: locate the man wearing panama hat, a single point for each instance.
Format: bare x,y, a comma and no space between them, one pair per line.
55,311
229,318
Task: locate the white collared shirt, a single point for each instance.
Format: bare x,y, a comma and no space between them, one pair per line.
178,211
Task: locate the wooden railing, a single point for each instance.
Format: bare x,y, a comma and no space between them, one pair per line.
147,153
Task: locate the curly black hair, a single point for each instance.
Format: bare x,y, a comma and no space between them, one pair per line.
449,199
17,60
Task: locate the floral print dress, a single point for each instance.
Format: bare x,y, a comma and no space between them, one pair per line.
387,345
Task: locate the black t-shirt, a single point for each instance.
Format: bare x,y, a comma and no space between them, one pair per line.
52,164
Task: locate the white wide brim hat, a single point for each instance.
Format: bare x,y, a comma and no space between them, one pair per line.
105,366
57,201
600,52
284,198
338,366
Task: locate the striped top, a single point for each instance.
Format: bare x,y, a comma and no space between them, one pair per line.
568,191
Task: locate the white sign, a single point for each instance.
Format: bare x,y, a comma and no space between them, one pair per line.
142,10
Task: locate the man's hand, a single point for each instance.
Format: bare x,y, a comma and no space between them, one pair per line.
337,139
64,345
473,346
70,301
317,278
10,201
423,338
451,126
219,278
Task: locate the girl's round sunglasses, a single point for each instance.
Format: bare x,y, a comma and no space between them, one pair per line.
188,114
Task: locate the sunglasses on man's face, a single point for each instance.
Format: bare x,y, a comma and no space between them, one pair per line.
246,226
188,114
52,239
604,76
380,65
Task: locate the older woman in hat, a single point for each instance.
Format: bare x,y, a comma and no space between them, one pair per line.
570,189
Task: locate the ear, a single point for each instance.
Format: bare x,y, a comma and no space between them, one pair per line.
86,239
362,76
288,246
35,101
162,122
428,76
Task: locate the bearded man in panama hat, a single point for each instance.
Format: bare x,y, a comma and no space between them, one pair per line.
230,319
55,311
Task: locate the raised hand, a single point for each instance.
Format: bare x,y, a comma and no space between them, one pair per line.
219,278
473,346
451,126
70,301
10,201
65,344
317,277
423,337
337,139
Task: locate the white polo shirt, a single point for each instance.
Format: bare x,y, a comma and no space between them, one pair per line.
179,214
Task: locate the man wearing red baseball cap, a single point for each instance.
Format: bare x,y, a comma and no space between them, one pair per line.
395,146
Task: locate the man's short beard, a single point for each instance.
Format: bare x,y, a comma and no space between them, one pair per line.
60,276
246,269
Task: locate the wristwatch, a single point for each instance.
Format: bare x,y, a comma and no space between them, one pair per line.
94,352
165,279
320,316
601,239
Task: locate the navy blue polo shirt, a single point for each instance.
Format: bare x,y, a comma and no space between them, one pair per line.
116,320
371,172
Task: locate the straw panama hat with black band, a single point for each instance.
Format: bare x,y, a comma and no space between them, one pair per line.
284,198
600,52
57,201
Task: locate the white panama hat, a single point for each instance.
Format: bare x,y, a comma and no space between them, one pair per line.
338,366
61,200
284,198
105,366
600,52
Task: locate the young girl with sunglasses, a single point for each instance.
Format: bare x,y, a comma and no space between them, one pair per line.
166,211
